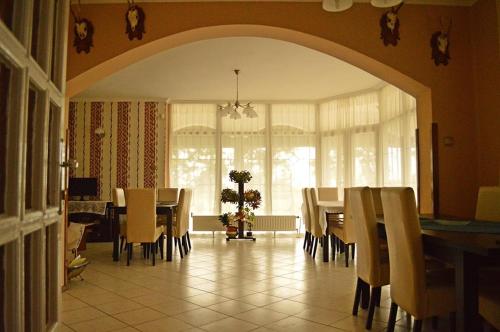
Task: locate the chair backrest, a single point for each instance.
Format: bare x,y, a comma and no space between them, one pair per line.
377,201
365,224
168,195
488,204
119,197
406,256
183,209
349,230
141,215
306,217
316,229
328,194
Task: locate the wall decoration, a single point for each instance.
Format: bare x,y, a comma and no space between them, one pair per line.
83,32
389,25
440,45
134,18
132,151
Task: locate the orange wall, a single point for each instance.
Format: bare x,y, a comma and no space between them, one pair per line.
486,42
452,86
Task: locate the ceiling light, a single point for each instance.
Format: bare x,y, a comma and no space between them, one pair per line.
231,109
337,5
385,3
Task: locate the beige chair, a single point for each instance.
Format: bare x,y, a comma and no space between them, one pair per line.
328,194
181,222
421,293
345,231
168,195
377,201
306,218
119,200
373,262
317,229
141,222
489,305
488,204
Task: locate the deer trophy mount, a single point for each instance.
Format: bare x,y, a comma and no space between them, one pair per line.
440,44
389,25
83,31
134,18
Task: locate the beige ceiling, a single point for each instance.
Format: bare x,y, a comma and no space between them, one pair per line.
420,2
270,70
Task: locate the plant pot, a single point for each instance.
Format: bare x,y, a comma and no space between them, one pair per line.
231,231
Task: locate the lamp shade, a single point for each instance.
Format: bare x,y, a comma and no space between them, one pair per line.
336,5
385,3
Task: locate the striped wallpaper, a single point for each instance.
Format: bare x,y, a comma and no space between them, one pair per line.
131,152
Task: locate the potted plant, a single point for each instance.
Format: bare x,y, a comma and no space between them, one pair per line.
227,219
247,201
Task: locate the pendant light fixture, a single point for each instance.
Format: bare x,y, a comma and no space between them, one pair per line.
336,5
385,3
231,109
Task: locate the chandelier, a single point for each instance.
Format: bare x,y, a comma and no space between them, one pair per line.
231,109
341,5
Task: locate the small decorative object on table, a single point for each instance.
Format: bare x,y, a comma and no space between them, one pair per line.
247,201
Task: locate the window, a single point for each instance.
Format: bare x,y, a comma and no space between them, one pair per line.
363,140
52,193
194,154
30,141
5,78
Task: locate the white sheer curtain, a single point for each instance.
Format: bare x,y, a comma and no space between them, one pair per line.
348,128
398,121
193,161
365,140
244,148
293,141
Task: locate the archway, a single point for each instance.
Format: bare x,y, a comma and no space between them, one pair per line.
421,92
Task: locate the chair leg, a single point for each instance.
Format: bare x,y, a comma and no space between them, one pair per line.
122,242
371,309
332,242
184,244
417,325
160,244
357,297
346,255
178,241
305,240
189,240
311,245
353,250
315,247
129,253
153,252
392,317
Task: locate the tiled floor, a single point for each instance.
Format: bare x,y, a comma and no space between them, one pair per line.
267,285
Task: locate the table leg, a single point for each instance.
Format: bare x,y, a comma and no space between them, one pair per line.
466,288
169,235
116,236
326,245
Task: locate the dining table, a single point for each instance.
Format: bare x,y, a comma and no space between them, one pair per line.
468,245
326,208
162,208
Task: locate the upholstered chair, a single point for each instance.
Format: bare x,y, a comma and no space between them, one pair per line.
181,222
119,200
488,204
373,262
317,230
168,195
306,219
328,194
345,232
421,293
489,305
141,222
377,201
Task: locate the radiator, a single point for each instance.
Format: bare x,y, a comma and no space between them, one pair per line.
262,223
275,223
